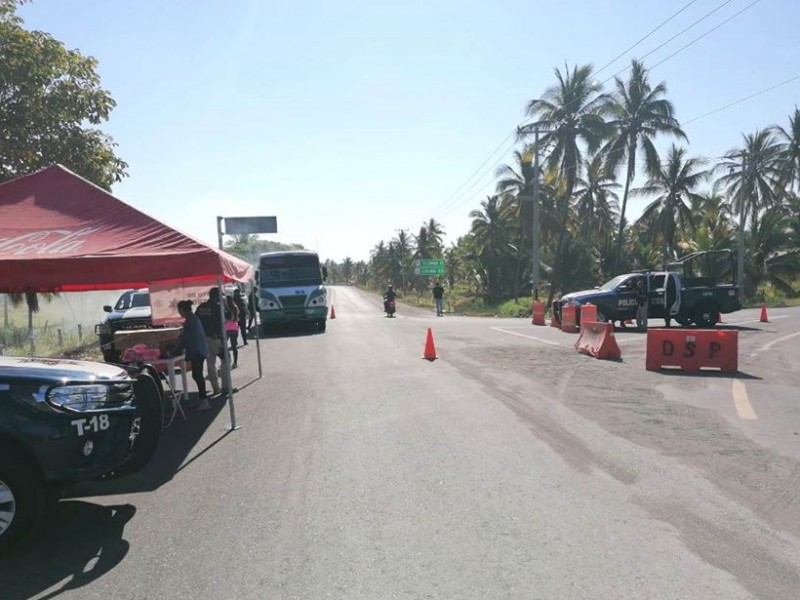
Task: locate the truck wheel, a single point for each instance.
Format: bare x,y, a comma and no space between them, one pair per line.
149,411
706,315
21,501
684,320
321,325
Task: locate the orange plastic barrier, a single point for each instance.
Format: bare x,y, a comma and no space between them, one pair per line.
588,314
569,323
538,313
554,320
693,349
597,339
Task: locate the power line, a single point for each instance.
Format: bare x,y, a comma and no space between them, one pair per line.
475,172
677,35
697,39
628,49
744,99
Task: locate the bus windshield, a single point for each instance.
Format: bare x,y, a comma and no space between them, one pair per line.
287,270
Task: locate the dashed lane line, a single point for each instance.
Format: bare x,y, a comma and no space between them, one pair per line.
742,402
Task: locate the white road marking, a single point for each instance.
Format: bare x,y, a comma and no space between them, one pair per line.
769,345
742,401
530,337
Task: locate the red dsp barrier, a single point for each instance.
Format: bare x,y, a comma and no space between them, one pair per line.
569,322
597,339
538,313
693,349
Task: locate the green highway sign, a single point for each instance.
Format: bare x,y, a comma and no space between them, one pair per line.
429,267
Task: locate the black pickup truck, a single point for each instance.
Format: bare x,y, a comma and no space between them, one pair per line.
131,311
694,295
63,421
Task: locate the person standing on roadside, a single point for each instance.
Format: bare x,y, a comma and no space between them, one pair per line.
241,306
210,315
193,343
438,298
642,300
232,329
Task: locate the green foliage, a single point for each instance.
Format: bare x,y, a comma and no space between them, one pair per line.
51,101
589,145
250,247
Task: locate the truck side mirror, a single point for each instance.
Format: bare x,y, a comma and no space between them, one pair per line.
324,273
107,308
256,277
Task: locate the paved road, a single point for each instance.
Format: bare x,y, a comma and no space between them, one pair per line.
512,467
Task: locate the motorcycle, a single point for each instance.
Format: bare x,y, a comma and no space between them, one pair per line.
389,307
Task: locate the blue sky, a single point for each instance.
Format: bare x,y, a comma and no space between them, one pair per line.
349,120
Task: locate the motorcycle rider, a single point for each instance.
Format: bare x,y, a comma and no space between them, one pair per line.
388,296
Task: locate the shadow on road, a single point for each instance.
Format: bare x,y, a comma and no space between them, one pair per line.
714,374
78,543
287,330
176,443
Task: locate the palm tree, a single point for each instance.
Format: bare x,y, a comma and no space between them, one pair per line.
638,113
490,232
771,257
674,186
569,113
596,201
757,179
789,152
436,235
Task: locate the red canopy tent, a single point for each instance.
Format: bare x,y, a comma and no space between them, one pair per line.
61,233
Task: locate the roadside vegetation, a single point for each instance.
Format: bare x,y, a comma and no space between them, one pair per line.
598,148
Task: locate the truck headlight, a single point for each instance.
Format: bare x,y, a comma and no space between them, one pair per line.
91,397
102,329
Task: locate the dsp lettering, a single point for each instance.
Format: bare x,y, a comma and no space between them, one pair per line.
55,241
689,348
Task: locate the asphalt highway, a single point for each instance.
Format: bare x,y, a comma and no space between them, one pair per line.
511,467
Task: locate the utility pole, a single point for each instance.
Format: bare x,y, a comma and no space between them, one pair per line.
740,257
535,218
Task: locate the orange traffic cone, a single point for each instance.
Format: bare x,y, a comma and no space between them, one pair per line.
430,349
763,318
333,312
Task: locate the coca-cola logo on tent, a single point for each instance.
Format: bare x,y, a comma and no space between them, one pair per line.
54,241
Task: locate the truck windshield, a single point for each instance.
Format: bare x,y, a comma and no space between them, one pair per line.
612,284
132,300
287,270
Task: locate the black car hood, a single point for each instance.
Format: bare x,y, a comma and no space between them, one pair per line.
57,369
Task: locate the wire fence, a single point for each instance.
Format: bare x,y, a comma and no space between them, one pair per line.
49,339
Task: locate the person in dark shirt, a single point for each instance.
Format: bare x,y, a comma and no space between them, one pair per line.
438,298
210,315
241,306
642,301
193,343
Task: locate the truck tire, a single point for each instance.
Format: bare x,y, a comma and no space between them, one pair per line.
683,320
21,501
321,325
706,315
149,411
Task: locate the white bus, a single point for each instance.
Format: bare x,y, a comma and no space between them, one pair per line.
291,288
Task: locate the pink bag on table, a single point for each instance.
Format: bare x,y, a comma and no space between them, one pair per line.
140,353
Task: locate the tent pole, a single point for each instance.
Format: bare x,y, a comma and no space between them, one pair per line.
258,330
227,383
